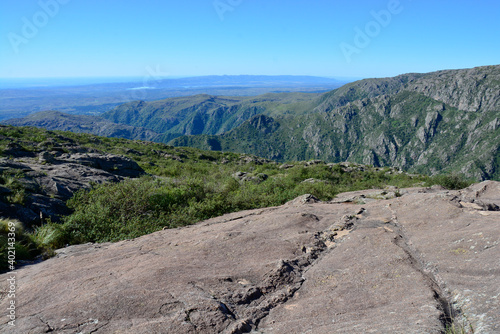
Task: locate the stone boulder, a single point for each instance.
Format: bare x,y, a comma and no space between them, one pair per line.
250,177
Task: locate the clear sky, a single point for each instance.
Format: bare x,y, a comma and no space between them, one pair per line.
334,38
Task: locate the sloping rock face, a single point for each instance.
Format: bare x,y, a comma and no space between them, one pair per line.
359,264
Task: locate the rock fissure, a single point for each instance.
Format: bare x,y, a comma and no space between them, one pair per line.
434,282
169,308
46,323
324,242
187,318
258,213
99,328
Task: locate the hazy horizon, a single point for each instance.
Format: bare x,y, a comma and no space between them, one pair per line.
14,83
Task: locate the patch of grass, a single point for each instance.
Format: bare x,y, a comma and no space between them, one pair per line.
49,236
10,178
459,327
18,197
15,244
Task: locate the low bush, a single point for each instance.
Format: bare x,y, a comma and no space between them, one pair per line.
50,236
15,244
451,181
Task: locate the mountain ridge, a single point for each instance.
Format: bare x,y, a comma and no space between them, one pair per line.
56,120
445,121
392,121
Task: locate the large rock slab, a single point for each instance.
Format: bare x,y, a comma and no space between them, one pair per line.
112,163
400,265
52,178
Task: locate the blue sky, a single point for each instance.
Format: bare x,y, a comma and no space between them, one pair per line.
80,38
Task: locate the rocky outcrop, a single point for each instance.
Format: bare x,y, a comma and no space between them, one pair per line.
409,264
471,90
264,124
250,177
115,164
53,177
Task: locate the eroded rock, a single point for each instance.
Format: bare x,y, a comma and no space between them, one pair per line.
51,178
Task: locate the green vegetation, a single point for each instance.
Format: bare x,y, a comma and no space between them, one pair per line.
183,186
9,179
452,181
15,244
136,207
459,327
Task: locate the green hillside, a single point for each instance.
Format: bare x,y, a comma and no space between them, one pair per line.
446,121
205,114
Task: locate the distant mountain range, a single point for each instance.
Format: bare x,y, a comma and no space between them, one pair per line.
437,122
96,98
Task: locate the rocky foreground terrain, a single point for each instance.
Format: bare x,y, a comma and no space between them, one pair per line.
393,261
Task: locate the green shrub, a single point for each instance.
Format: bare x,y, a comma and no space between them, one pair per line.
18,197
50,236
130,208
451,181
12,235
200,191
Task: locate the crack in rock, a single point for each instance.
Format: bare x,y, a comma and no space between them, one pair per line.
238,217
49,327
100,327
434,281
281,283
